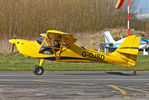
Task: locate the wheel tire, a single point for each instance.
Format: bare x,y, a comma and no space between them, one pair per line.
134,72
38,70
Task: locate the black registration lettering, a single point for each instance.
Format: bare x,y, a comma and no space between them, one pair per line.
84,54
93,56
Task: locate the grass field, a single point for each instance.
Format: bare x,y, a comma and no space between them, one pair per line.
16,62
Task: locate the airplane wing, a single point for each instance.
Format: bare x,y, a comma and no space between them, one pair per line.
144,39
58,35
108,47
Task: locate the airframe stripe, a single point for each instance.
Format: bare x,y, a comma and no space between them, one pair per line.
71,58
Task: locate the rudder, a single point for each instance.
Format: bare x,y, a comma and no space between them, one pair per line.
130,45
128,50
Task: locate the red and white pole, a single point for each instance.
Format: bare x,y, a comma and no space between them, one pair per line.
128,18
118,5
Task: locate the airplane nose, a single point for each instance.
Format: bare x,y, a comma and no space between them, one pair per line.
12,41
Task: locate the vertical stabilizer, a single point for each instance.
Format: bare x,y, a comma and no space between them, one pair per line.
129,46
108,37
128,50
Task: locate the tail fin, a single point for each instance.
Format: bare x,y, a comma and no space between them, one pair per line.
128,50
108,37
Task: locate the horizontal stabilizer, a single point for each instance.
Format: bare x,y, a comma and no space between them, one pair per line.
108,47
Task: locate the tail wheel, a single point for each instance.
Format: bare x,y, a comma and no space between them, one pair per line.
134,72
38,70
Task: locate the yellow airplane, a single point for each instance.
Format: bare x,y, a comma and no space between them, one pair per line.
59,46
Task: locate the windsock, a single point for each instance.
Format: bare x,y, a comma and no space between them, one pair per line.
119,4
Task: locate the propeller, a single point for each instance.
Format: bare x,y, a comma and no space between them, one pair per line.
15,31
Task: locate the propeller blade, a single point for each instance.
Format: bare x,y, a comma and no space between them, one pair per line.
12,47
15,31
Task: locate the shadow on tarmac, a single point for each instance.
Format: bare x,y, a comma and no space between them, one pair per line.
120,73
86,74
104,73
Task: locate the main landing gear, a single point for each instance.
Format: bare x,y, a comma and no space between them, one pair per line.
132,69
134,72
38,70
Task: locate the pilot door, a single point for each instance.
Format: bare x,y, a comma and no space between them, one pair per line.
55,43
53,46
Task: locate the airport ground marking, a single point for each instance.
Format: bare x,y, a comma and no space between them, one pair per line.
121,91
139,90
64,82
79,79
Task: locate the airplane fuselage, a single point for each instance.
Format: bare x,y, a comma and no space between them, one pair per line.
74,53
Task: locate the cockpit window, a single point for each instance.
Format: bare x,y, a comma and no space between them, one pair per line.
40,40
52,45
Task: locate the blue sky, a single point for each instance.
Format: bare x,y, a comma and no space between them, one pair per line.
142,6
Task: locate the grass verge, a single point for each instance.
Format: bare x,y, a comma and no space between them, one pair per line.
16,62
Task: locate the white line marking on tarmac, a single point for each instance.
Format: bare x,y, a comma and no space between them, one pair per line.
35,75
147,84
101,79
74,80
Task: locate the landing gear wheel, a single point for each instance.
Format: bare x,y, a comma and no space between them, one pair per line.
38,70
134,72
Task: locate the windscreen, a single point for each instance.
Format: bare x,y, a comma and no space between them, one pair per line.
40,40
